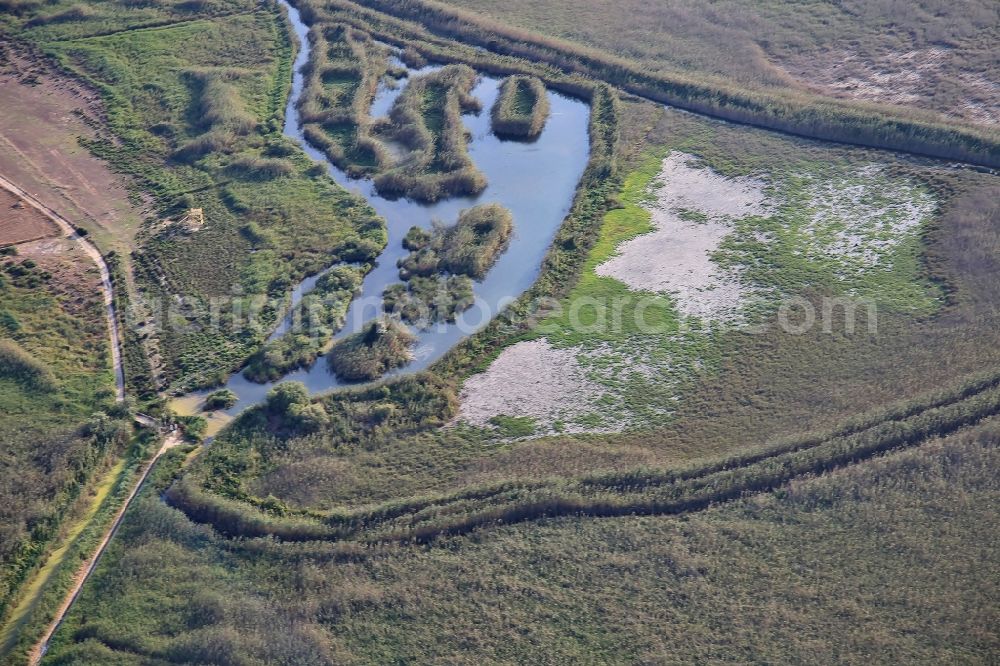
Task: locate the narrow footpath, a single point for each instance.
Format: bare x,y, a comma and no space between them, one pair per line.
36,654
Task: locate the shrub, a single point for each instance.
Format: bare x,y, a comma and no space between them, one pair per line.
221,399
424,300
286,394
382,345
194,427
260,168
22,367
472,246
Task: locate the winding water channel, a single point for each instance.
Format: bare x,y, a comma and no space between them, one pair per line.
536,181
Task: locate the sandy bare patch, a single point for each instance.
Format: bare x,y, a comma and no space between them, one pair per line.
907,78
861,219
676,257
533,379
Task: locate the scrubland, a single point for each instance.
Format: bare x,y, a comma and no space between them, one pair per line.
60,427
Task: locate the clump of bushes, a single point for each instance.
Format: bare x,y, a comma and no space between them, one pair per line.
214,141
427,120
260,168
470,247
314,320
382,345
442,263
19,365
424,300
221,399
521,108
194,427
290,404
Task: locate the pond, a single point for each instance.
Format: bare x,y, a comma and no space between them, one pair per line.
536,181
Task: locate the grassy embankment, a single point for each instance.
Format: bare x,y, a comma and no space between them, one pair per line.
442,263
521,109
197,106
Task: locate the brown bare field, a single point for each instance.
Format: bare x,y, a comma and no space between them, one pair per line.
20,222
41,149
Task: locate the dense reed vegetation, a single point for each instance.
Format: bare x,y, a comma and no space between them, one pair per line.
521,109
442,263
630,492
313,321
427,120
380,346
341,80
775,578
422,301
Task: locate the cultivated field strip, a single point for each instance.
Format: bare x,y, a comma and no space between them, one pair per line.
647,491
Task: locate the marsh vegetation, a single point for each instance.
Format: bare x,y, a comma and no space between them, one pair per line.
313,322
380,346
437,274
427,120
521,109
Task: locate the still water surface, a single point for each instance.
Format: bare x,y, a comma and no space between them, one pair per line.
536,181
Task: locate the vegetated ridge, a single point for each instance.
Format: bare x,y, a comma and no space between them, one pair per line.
809,116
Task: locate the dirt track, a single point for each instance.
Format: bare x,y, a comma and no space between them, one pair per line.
173,440
70,232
